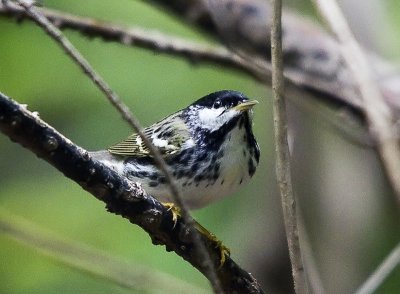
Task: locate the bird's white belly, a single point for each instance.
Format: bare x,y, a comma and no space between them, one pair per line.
205,193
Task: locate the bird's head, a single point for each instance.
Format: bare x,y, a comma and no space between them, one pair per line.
218,109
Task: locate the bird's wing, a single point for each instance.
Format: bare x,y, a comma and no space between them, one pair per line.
168,135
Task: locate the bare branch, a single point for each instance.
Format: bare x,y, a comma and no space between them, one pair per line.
283,166
379,115
67,46
314,68
121,196
138,37
377,278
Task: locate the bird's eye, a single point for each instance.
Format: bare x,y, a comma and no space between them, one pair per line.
217,104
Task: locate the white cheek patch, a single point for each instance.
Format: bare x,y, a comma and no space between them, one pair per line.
214,118
208,116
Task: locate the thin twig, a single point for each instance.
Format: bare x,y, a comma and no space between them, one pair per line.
283,169
304,84
377,278
68,47
379,115
312,81
91,260
157,41
121,196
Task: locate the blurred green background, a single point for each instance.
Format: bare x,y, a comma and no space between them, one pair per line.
351,215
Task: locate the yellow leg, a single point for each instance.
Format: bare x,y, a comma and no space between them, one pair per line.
175,210
224,251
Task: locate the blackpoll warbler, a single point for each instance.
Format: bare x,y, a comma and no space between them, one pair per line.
208,146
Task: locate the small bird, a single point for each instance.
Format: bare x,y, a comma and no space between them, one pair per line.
209,147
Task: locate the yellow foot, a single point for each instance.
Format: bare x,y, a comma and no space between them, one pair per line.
175,210
224,251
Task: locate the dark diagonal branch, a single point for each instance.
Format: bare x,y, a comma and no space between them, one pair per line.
121,196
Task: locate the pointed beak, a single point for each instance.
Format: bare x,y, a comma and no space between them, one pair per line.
245,105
